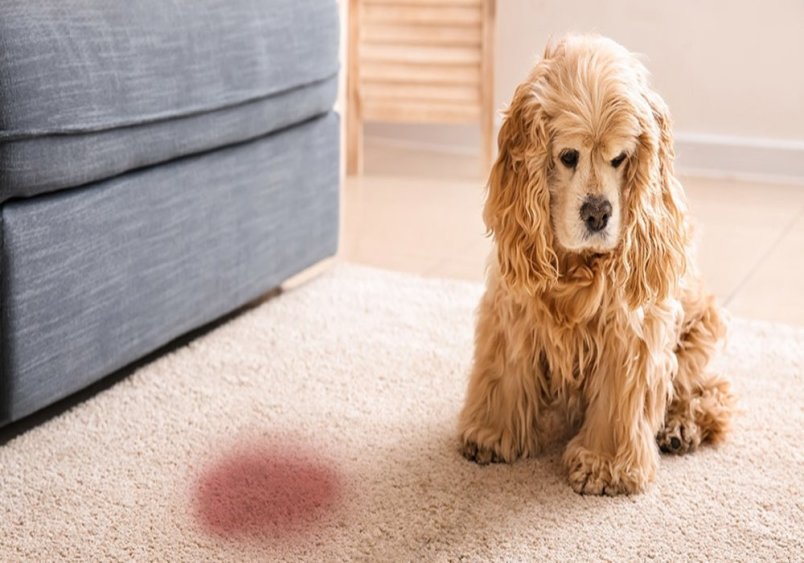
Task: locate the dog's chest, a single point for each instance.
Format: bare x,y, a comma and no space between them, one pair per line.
570,354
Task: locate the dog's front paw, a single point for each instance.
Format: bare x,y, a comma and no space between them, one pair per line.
593,474
490,451
481,455
679,436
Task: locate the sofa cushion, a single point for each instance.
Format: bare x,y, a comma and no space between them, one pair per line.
73,71
98,276
38,165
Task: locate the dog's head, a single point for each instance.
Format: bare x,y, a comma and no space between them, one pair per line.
585,167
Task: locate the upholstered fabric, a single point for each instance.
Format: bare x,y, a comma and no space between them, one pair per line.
96,277
91,89
39,165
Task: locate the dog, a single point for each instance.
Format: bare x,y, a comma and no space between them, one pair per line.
593,308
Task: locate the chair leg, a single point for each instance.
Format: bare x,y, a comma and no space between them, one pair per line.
354,118
354,143
488,142
487,85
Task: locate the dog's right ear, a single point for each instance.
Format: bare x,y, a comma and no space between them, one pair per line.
517,210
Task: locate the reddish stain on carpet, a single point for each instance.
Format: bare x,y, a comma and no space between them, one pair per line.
259,491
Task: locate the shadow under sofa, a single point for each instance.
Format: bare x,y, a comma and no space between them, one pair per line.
126,224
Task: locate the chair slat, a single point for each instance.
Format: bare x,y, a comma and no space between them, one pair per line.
419,35
417,73
422,15
428,112
422,55
421,92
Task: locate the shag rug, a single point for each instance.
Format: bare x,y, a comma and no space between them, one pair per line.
321,426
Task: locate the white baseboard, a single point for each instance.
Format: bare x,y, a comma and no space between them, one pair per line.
740,158
717,156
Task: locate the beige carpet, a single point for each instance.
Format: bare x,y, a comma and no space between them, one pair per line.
320,426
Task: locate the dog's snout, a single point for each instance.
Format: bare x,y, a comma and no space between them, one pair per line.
595,212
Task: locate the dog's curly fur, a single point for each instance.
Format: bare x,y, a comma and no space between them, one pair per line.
612,330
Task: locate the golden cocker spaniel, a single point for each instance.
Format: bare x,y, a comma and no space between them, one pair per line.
593,309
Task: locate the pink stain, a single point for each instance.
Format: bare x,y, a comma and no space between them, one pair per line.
264,491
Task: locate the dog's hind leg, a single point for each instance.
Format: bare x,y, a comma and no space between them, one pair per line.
702,405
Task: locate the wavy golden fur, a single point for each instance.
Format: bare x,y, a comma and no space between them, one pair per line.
609,327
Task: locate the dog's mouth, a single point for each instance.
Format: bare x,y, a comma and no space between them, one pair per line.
599,242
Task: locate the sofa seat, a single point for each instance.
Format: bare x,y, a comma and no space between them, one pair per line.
90,90
99,276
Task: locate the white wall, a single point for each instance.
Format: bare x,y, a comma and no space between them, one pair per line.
731,72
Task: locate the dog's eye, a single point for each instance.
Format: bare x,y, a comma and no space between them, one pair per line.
569,158
616,162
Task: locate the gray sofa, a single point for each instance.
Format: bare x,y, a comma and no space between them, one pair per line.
161,164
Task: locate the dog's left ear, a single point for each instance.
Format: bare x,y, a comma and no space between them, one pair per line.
655,235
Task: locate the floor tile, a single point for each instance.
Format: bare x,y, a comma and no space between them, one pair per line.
775,290
727,256
467,264
384,159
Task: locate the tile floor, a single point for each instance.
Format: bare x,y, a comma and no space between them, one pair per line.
420,212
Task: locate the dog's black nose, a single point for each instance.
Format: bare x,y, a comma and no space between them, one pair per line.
595,212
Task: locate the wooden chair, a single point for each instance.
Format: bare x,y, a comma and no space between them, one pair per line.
425,61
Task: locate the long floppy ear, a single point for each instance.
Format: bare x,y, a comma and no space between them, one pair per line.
518,201
655,235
